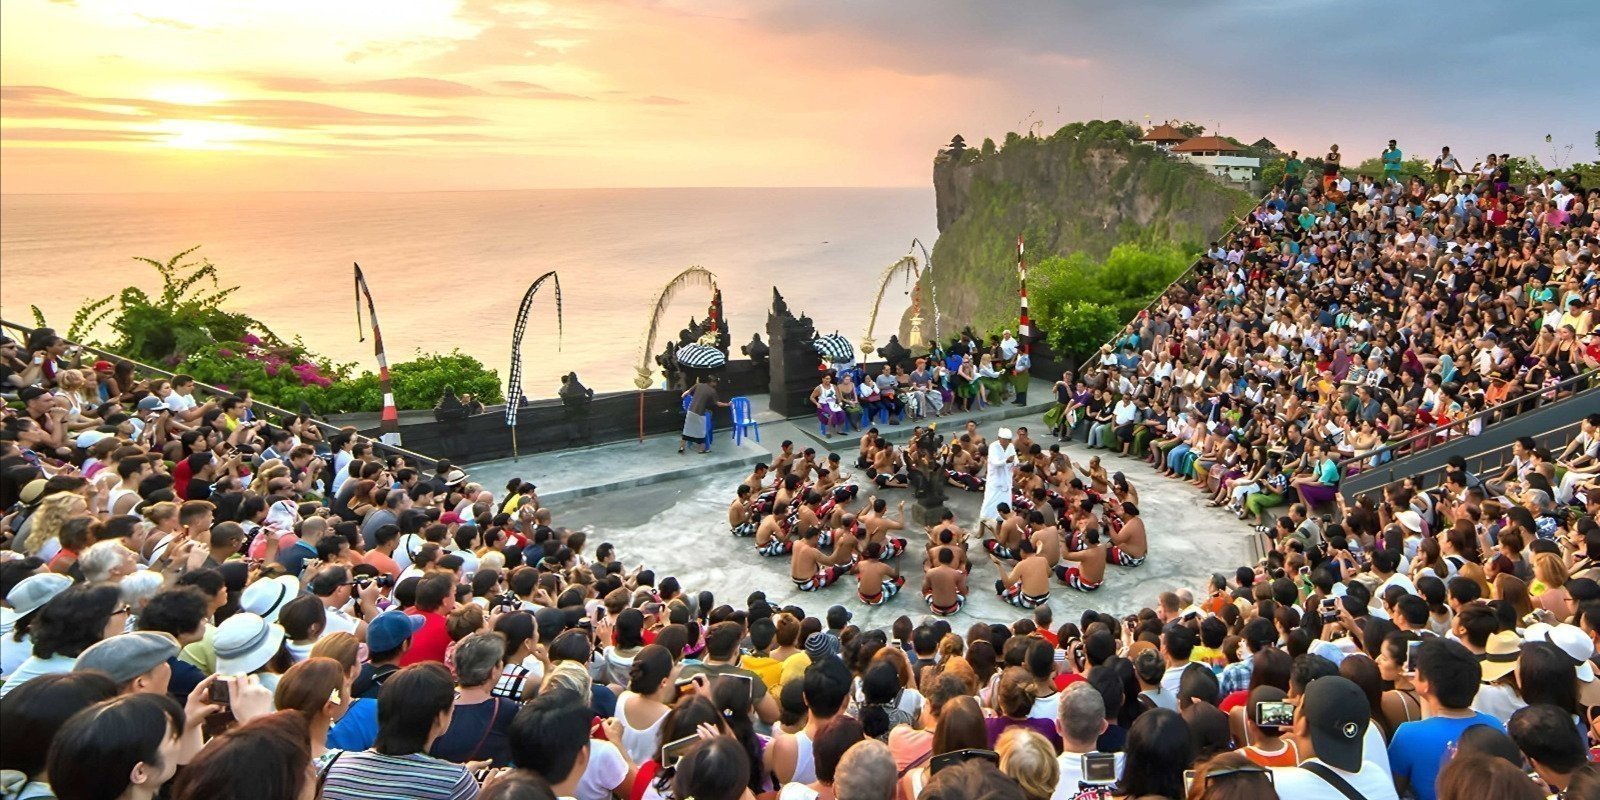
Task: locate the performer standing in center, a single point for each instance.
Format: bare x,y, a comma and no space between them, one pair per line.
997,485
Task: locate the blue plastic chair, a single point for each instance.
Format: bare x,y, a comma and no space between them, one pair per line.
708,421
744,420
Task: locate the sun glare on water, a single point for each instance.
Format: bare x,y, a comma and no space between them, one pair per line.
194,134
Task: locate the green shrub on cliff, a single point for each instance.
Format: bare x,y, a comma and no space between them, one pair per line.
1086,188
1079,302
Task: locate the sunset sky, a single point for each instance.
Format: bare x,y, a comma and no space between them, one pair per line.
182,95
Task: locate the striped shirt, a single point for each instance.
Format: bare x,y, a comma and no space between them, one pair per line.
369,775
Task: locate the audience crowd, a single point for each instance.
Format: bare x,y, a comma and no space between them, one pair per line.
1348,317
200,602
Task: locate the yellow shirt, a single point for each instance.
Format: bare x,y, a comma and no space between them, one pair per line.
794,667
770,669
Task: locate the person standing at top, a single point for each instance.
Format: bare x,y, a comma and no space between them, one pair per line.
1330,167
1391,163
1446,167
696,424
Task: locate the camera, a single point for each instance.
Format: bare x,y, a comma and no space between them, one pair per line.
383,581
508,599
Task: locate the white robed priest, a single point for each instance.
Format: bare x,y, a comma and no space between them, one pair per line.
997,481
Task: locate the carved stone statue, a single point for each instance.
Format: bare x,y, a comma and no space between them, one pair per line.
757,350
927,476
893,352
450,408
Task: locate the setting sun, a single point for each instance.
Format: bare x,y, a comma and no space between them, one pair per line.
191,134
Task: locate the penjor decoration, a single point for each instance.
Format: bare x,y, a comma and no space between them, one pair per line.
908,268
1024,330
514,384
690,277
391,414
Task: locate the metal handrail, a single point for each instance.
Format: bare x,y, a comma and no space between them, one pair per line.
1476,458
1404,446
219,392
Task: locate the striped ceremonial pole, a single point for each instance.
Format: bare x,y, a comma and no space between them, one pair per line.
390,419
1024,330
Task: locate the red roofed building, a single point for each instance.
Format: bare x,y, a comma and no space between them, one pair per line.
1219,157
1163,137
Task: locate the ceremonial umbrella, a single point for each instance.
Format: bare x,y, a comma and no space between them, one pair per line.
834,347
701,356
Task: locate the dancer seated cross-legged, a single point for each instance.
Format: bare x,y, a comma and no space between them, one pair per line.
811,569
944,587
1028,585
879,581
1090,570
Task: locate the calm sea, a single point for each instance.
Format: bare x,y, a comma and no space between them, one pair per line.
448,269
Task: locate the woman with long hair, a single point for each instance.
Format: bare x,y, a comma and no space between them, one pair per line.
46,524
1401,703
1550,579
643,706
1157,753
1231,776
687,718
317,689
960,728
733,700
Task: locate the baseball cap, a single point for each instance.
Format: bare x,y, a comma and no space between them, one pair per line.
30,393
31,593
151,403
1337,714
839,616
389,630
103,366
128,655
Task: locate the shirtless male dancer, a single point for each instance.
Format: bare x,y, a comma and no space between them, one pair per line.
945,587
741,521
1089,572
1129,545
879,581
1007,537
878,526
771,538
811,569
1028,585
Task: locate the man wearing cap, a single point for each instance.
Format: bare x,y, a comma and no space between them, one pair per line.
388,636
137,661
1331,722
997,485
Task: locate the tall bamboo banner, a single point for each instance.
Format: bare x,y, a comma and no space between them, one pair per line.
391,414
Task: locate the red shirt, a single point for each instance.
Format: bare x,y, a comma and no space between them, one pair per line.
429,642
1066,679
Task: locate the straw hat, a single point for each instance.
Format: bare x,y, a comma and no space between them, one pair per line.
1500,655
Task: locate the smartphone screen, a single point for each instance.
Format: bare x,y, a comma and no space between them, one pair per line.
218,691
674,751
744,680
1330,608
1275,715
1100,768
686,687
1411,657
1188,782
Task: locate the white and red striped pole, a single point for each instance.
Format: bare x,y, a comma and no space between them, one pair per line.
389,420
1024,330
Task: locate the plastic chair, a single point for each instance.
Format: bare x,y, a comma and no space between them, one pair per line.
686,400
743,419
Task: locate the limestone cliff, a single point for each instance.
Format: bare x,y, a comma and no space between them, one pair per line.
1079,190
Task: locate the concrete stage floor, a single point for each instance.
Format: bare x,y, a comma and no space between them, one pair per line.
669,511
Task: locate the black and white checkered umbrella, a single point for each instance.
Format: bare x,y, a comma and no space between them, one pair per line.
701,356
834,347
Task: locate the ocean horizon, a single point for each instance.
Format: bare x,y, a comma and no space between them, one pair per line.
448,268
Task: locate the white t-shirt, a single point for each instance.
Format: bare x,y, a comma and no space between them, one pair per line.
606,771
179,403
1372,782
1072,773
